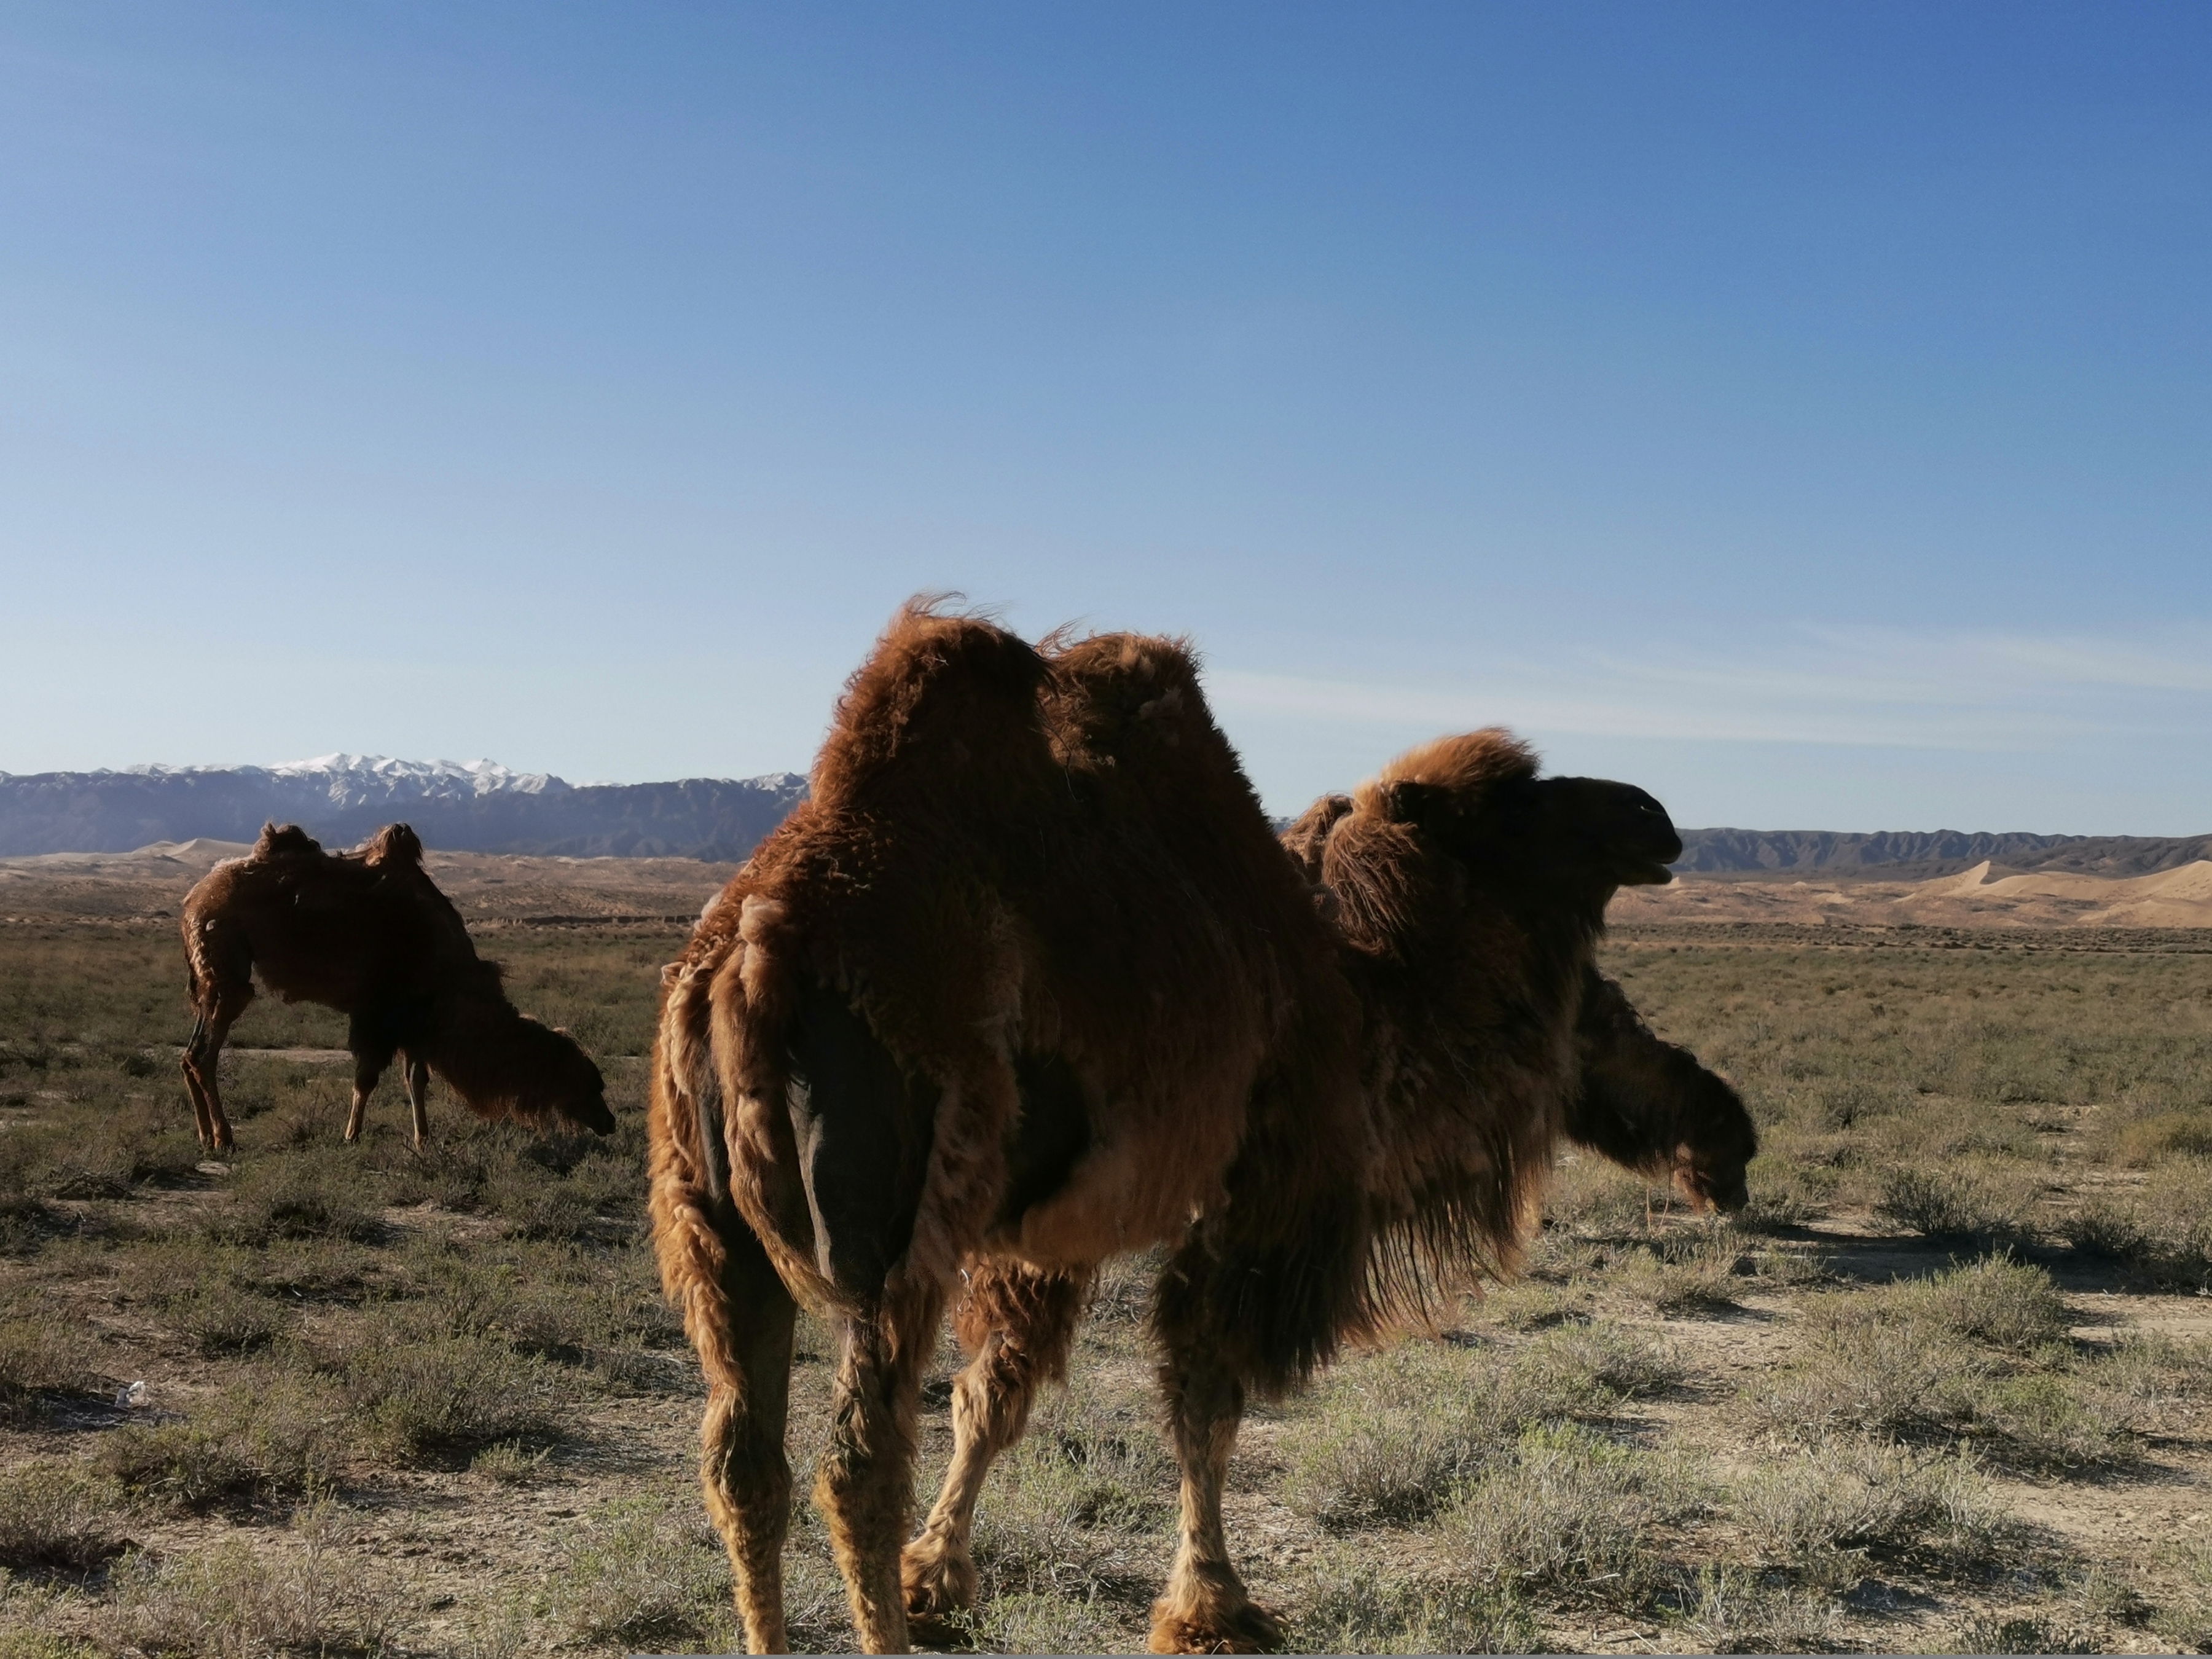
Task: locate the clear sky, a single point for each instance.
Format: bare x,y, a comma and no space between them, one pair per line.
1802,410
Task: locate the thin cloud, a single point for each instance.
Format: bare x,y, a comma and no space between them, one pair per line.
1862,687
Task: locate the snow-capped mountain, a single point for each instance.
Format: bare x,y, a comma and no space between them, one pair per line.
475,805
357,779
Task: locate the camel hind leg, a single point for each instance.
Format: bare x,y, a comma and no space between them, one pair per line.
862,1130
417,1075
1019,1323
373,1050
742,1464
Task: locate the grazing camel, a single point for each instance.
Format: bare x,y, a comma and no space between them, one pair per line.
368,933
1028,982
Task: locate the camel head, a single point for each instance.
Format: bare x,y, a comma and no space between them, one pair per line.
1719,1140
505,1064
557,1078
1571,841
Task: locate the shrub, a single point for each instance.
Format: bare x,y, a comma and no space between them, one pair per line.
510,1463
1873,1375
298,1197
221,1319
1736,1612
1393,1436
30,1617
39,1357
281,1435
311,1597
2162,1135
643,1574
1026,1622
54,1518
1984,1632
1850,1494
1997,1300
1946,1203
2150,1381
1350,1606
2105,1229
1688,1272
438,1402
1567,1505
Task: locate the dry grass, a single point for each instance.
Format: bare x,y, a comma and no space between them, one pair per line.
454,1370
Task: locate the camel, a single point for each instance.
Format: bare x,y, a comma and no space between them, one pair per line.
368,933
1027,982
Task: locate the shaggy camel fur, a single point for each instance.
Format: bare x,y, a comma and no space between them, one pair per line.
1028,982
368,933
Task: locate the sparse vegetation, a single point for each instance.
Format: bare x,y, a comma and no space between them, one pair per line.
456,1372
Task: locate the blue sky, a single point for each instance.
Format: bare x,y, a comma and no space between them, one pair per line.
1800,410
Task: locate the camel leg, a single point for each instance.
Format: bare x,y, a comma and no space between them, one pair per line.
866,1484
372,1053
1018,1324
417,1074
741,1457
1205,1608
202,1119
203,1063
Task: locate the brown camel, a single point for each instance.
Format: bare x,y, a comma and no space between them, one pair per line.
1028,982
368,933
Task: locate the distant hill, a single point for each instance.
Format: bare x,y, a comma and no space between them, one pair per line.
476,806
1917,855
479,806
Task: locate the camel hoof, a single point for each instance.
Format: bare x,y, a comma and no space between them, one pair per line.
1249,1628
940,1586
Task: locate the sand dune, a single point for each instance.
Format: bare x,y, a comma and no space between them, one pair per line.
2180,897
152,880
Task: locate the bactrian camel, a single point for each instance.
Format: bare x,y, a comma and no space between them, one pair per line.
1027,982
368,933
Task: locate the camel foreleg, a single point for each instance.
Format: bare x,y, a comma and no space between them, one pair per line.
1205,1608
1017,1322
203,1063
866,1484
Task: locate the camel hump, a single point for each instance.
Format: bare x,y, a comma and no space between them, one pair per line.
1127,694
284,841
943,703
394,844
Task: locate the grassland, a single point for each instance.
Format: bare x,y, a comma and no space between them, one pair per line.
1947,1386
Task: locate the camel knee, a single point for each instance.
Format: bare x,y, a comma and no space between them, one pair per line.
744,1468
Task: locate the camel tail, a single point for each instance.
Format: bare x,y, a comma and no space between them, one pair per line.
724,1159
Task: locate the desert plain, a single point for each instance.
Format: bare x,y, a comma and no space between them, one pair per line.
1945,1386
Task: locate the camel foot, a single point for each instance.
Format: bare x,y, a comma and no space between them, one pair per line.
940,1585
1215,1625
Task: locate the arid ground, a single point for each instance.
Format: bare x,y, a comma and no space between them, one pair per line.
1947,1386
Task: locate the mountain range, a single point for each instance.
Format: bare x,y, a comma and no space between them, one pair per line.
480,806
473,806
